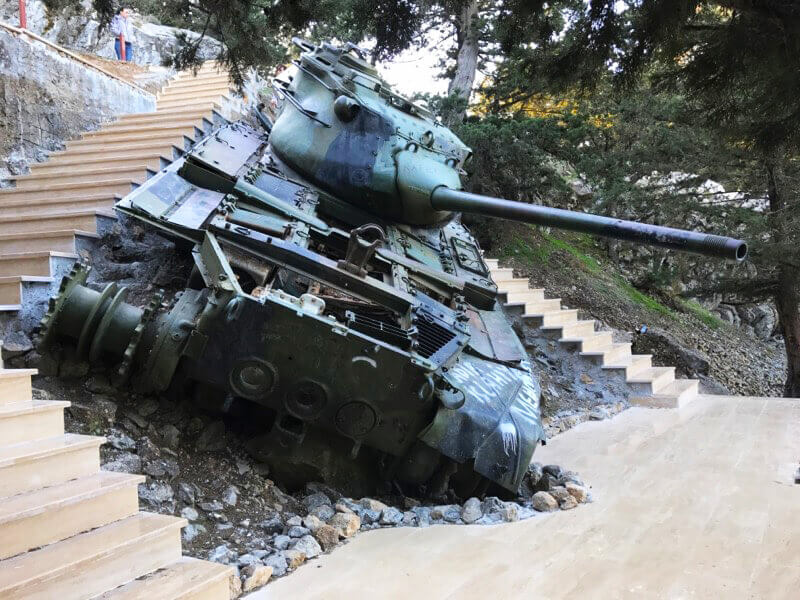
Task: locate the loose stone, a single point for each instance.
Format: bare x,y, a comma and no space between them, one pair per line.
577,491
254,576
544,502
471,511
308,546
346,525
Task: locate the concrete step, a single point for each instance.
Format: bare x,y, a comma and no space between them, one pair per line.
29,421
107,185
602,350
555,317
171,114
56,203
158,132
571,332
30,263
193,94
18,289
536,309
15,386
56,241
83,220
529,295
32,465
200,123
186,88
186,579
65,174
154,161
115,139
588,340
95,562
54,513
173,149
630,365
513,285
492,263
678,393
651,381
205,79
502,274
191,105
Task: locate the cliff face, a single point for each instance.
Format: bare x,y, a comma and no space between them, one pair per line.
82,32
47,97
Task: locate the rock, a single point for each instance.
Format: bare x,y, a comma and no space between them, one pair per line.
242,466
577,491
371,504
492,504
294,521
312,523
213,506
120,441
510,512
15,344
278,563
231,495
147,407
255,576
99,384
156,493
294,558
124,462
391,516
544,502
323,512
586,379
598,414
147,450
581,189
212,439
552,470
170,436
315,500
73,367
297,532
345,524
281,542
369,516
190,514
222,554
409,503
187,493
559,493
343,508
327,536
409,518
191,531
272,524
247,559
568,503
535,471
471,511
308,546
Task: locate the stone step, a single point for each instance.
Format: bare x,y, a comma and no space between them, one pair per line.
160,130
163,117
492,263
31,263
15,386
631,365
54,513
604,351
535,310
64,174
30,421
192,104
32,465
95,562
513,285
107,185
557,317
504,274
211,92
592,343
57,205
125,127
154,161
529,295
186,579
651,381
197,82
182,143
57,241
678,393
115,139
577,330
83,220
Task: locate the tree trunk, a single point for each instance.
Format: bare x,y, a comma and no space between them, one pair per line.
787,295
467,59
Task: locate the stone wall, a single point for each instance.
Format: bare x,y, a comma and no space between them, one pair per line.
47,98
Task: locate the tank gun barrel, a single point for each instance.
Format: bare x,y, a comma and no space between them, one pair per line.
717,246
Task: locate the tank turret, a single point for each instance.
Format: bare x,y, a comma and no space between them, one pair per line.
342,127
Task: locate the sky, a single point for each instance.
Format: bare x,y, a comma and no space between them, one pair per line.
414,71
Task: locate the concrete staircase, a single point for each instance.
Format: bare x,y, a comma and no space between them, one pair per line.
69,530
62,204
650,386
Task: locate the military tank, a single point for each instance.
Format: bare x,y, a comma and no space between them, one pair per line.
335,291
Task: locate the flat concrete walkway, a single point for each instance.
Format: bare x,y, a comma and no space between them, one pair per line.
697,502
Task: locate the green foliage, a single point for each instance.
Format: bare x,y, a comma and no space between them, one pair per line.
701,312
642,299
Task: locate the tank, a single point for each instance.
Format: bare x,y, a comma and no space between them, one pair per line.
336,299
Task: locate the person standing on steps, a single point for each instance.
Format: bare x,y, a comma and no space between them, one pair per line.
121,25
